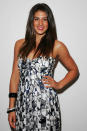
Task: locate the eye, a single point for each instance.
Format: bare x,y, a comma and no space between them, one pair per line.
45,19
36,19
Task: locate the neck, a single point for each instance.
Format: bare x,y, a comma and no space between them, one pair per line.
38,38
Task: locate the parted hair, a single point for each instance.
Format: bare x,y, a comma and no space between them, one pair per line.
46,44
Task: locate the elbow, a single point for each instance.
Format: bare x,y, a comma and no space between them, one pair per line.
77,73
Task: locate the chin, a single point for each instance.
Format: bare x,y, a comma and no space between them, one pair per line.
40,32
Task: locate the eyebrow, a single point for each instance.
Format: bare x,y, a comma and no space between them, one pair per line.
39,17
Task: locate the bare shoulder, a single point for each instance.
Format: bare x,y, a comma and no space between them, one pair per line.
59,45
17,47
60,48
19,43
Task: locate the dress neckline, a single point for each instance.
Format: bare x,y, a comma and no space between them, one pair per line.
28,59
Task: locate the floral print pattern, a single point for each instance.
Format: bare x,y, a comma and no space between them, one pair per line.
37,106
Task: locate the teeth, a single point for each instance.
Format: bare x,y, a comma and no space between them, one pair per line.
40,28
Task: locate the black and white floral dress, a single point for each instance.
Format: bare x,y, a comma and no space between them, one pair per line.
37,106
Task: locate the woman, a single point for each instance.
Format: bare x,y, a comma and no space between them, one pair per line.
33,96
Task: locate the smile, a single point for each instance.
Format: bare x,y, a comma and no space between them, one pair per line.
40,28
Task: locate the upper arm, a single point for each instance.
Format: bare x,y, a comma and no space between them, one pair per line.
65,57
15,71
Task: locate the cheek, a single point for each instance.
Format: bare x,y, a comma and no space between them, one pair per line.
35,24
46,25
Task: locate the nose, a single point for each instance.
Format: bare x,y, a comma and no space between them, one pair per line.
41,22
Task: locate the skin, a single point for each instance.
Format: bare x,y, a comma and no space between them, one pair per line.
60,51
40,25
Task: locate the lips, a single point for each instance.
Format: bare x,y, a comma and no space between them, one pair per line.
40,28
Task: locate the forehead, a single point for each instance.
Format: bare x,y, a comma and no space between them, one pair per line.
40,13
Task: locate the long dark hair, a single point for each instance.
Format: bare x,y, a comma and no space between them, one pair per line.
46,44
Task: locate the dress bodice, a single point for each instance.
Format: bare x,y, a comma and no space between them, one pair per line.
37,67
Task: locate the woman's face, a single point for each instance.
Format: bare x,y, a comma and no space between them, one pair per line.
40,22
